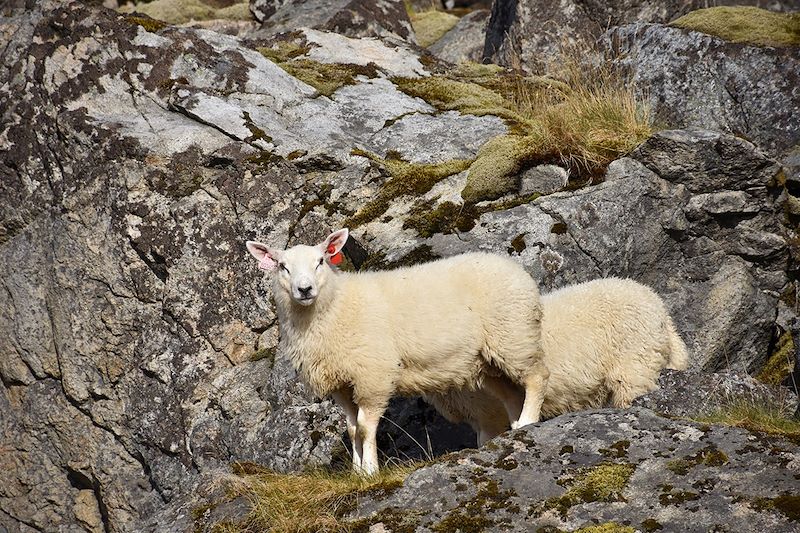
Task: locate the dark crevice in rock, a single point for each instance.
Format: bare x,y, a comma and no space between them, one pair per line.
504,14
80,481
156,263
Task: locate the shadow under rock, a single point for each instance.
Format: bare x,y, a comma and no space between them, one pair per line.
412,430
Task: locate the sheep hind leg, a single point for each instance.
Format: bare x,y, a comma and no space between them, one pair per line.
507,393
535,387
368,419
344,398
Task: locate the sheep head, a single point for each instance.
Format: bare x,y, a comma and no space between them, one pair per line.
302,271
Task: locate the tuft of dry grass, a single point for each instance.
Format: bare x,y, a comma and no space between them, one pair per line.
760,417
182,11
309,502
583,117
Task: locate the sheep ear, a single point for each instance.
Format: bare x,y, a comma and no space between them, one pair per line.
334,243
267,257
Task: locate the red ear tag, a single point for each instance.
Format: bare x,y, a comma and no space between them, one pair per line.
337,258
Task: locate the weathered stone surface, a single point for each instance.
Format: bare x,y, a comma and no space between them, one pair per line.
632,468
697,80
693,393
354,18
531,33
465,41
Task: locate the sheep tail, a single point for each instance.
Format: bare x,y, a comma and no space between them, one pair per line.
678,355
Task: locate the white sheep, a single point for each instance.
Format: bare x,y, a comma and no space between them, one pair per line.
365,337
605,342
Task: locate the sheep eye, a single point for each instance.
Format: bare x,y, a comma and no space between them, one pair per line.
283,267
321,260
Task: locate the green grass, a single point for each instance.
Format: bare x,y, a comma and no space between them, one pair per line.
739,24
314,501
759,417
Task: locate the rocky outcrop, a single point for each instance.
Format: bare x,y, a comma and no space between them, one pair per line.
137,339
353,18
531,33
693,79
632,469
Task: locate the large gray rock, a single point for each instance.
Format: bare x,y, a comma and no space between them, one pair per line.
694,79
632,468
354,18
531,33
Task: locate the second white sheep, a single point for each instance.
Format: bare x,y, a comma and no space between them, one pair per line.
605,343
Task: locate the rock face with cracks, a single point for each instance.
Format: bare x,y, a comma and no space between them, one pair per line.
138,341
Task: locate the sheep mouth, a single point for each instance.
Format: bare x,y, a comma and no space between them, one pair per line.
306,300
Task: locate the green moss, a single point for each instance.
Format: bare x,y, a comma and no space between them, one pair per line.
430,26
444,218
617,450
395,520
709,456
493,173
326,78
602,483
470,516
750,25
518,244
787,504
781,362
264,353
608,527
283,51
651,525
669,496
447,94
414,179
256,133
150,24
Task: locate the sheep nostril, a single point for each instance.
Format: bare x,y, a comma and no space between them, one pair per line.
305,291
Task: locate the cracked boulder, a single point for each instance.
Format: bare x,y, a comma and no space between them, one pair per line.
698,80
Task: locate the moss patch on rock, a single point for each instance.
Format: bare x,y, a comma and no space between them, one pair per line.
786,504
430,26
781,362
150,24
749,25
602,483
414,179
326,78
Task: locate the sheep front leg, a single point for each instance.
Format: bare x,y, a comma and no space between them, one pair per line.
368,418
344,398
